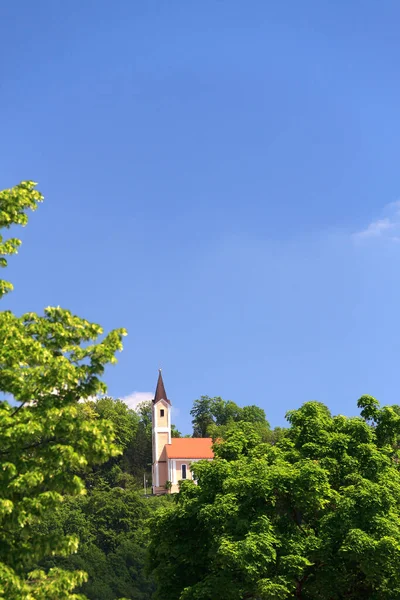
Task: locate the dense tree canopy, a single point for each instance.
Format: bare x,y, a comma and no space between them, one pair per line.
211,413
110,520
111,524
315,516
132,430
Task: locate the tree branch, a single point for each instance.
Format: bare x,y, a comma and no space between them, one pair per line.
34,445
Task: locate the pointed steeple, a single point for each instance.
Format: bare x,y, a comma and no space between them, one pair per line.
160,390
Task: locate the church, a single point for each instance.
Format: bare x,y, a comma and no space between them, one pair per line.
172,457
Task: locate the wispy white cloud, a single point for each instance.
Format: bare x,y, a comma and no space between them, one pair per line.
387,227
135,398
376,228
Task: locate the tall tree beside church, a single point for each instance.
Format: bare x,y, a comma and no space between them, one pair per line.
125,422
202,415
47,364
212,414
139,454
314,517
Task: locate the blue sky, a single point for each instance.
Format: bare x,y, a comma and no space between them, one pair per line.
221,179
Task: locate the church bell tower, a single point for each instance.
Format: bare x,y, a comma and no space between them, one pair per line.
161,435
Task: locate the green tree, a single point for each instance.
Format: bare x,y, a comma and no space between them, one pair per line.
212,415
111,519
252,414
139,454
47,365
144,410
202,416
314,516
125,423
124,419
111,524
174,432
224,411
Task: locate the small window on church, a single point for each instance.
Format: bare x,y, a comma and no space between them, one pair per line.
183,471
162,412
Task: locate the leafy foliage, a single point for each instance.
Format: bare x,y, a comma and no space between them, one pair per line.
314,516
14,202
174,432
139,457
111,523
209,414
48,364
111,519
125,423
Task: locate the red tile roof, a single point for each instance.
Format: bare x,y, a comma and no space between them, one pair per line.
190,448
